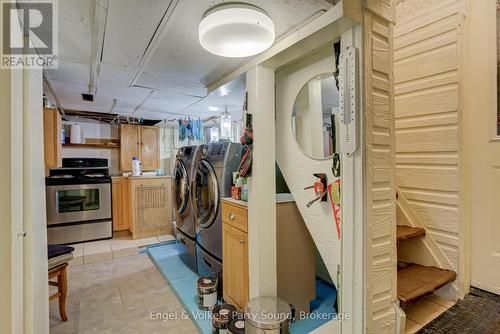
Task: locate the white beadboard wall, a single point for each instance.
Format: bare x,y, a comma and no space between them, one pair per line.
427,70
380,198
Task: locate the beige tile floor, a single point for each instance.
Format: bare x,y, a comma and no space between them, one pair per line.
424,311
104,250
118,296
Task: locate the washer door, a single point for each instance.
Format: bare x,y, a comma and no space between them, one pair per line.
181,187
205,194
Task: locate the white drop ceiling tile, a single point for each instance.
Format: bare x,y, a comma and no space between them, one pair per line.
172,84
179,53
173,105
179,67
115,75
76,19
231,95
290,14
69,94
71,72
113,84
130,26
150,114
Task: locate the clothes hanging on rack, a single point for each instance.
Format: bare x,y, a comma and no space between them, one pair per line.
190,129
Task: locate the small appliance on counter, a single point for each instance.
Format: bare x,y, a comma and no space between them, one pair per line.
79,201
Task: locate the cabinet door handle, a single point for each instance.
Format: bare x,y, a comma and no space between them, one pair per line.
242,241
232,216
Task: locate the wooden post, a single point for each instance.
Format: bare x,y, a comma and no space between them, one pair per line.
262,184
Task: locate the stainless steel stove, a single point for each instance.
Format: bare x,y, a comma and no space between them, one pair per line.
78,199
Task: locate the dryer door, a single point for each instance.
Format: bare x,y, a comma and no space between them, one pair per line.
205,194
181,187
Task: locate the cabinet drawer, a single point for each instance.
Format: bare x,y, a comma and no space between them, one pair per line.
235,215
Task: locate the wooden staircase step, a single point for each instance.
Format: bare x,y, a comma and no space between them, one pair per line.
404,232
415,281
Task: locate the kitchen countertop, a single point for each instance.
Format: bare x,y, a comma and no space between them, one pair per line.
140,177
280,198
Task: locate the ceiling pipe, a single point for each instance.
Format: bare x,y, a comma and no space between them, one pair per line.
146,100
50,85
98,37
115,102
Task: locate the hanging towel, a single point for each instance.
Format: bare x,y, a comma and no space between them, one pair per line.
246,140
182,130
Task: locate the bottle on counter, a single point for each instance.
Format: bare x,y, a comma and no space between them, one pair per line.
136,167
244,189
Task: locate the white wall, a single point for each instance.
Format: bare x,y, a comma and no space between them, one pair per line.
170,144
298,168
94,129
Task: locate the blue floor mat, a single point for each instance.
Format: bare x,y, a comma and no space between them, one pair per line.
168,259
322,309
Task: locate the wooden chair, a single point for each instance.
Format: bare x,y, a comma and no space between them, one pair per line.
61,283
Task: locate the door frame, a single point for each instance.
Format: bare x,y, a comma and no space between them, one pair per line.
470,93
17,228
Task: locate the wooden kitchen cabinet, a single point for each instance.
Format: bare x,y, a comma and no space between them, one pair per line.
150,147
142,142
295,255
120,187
151,203
52,133
235,255
130,145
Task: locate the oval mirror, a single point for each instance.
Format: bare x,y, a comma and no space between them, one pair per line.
314,115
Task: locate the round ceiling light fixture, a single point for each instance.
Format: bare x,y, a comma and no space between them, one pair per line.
236,30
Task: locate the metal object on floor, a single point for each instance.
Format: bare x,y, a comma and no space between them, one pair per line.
207,292
267,315
237,324
221,316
